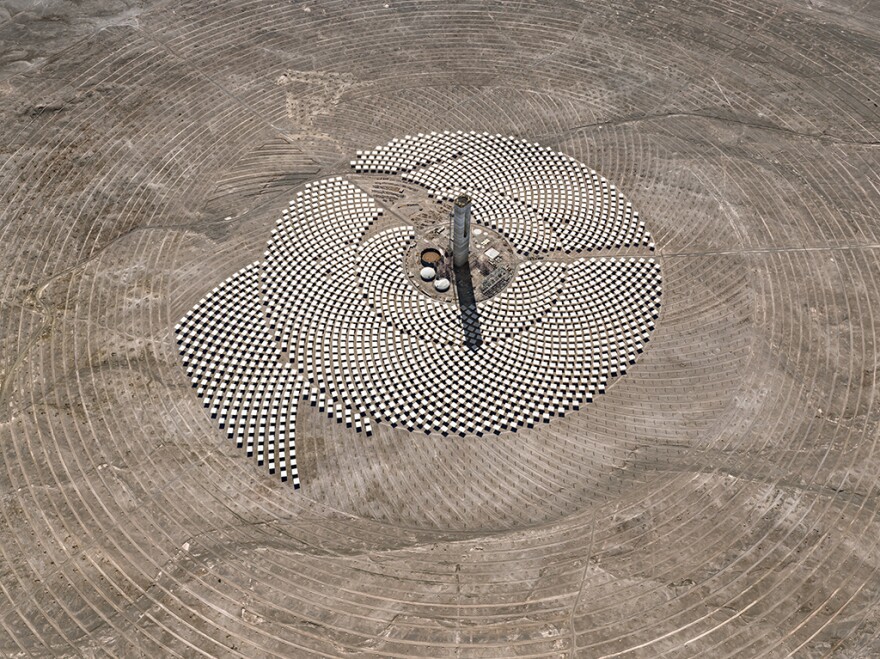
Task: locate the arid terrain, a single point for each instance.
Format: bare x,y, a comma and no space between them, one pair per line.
720,500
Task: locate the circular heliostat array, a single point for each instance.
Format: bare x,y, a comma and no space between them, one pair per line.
267,178
343,328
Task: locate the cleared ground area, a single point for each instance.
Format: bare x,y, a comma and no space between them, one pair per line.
719,499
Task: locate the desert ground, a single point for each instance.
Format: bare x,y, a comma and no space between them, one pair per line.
720,499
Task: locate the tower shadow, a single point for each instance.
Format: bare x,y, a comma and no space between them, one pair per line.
467,304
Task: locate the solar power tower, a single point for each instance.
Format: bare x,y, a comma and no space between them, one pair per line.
461,230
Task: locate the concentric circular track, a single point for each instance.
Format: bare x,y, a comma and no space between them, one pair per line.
718,500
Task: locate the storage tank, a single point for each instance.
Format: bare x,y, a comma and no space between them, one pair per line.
431,257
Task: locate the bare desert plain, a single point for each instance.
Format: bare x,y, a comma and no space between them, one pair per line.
717,496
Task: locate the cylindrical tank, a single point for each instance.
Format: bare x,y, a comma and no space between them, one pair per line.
431,257
461,230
